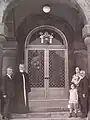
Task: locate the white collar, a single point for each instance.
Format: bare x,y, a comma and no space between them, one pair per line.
21,71
9,76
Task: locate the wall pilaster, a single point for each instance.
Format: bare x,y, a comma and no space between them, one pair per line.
3,34
86,36
2,39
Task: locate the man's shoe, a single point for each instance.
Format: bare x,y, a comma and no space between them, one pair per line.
84,116
70,115
5,118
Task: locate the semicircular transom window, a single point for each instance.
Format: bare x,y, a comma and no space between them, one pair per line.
46,37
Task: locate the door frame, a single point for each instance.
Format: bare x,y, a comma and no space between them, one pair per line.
62,47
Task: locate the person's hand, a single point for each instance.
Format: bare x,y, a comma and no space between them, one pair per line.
5,96
83,95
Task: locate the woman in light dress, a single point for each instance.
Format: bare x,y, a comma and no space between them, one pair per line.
76,77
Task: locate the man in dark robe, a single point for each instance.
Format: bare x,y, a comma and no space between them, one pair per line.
83,94
22,88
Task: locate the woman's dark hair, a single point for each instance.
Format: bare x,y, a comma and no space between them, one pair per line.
73,84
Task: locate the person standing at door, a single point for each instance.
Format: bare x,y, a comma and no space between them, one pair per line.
22,88
83,94
1,98
76,77
8,93
73,99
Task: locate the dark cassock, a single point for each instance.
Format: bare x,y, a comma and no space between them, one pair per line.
22,88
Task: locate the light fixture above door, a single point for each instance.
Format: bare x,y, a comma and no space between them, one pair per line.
46,9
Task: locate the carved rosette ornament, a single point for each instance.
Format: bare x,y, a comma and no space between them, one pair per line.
46,37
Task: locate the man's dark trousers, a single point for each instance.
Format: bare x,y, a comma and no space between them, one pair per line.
7,107
8,90
1,105
83,96
84,106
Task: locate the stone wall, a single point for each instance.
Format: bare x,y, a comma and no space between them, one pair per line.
9,56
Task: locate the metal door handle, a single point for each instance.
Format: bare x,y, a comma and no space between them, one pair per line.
46,78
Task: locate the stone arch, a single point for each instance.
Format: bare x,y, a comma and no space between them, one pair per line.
85,6
81,6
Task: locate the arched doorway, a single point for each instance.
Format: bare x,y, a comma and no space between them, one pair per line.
46,60
20,23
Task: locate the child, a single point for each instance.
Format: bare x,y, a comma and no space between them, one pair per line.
73,100
75,79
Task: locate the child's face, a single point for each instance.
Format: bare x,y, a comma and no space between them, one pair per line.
72,86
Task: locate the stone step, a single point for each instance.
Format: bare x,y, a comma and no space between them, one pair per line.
50,119
57,119
47,104
49,109
47,116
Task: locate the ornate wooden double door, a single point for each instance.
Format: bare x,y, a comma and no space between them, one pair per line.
47,66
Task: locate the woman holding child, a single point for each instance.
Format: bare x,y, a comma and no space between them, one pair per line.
76,77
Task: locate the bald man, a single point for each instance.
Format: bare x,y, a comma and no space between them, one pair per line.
83,94
8,93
